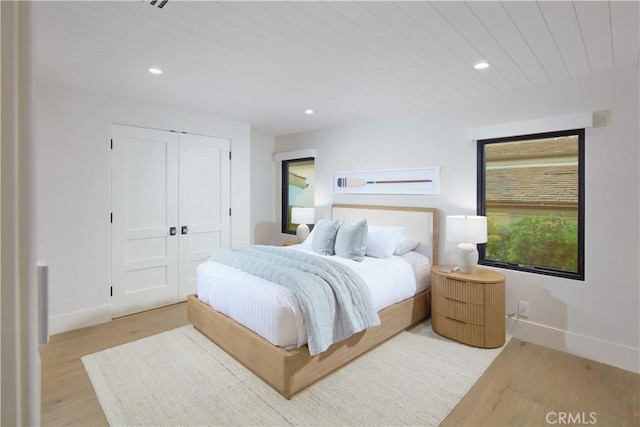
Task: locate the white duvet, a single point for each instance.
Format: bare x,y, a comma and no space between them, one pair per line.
272,311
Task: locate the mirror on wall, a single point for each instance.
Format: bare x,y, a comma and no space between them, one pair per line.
298,176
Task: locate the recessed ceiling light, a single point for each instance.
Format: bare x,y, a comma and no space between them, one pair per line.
309,111
155,70
481,65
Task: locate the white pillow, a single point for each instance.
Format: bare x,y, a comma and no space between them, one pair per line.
382,241
405,245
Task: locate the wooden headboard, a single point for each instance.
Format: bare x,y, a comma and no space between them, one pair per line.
420,223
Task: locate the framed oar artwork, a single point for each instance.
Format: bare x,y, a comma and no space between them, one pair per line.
403,181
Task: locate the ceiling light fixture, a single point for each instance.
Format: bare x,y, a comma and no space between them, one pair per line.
481,65
155,70
309,111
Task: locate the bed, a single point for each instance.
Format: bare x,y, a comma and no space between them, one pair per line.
291,371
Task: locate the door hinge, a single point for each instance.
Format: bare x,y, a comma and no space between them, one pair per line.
111,217
112,144
111,290
229,155
229,211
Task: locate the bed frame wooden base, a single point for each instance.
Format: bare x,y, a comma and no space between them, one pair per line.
290,372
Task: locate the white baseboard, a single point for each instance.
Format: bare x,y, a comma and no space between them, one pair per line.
79,319
610,353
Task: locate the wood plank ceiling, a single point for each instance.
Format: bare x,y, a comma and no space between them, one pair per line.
266,62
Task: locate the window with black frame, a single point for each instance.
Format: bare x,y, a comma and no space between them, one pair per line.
531,189
297,189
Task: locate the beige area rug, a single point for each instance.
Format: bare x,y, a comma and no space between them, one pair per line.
181,378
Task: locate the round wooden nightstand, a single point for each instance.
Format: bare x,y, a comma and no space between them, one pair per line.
290,243
468,307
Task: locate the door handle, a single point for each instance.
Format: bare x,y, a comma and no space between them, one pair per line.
173,231
184,229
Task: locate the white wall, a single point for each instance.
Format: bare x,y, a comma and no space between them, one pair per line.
598,318
74,186
263,182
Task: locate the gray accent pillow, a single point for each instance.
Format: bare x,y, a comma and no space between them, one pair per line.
351,240
324,236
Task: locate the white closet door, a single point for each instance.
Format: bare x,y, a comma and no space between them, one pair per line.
205,188
144,203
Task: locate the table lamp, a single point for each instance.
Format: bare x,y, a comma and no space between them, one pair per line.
467,230
302,217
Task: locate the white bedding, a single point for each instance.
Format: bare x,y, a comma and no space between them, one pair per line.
272,310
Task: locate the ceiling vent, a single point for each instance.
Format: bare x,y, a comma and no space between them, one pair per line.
161,4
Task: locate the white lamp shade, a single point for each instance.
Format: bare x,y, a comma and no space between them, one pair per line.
303,215
467,228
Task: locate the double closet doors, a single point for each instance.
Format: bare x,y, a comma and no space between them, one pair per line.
170,200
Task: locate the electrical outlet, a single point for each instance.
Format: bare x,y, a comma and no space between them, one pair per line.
523,309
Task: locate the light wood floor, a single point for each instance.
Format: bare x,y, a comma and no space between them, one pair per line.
527,385
67,394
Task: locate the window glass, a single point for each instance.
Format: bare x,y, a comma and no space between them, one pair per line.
531,190
297,189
